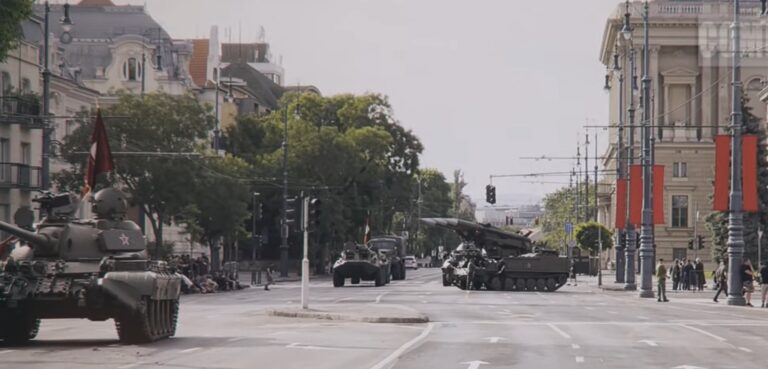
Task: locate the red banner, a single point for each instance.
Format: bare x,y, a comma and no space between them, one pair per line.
749,172
635,194
621,203
722,172
658,194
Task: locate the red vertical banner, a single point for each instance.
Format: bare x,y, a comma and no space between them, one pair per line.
749,172
658,194
636,194
621,203
722,172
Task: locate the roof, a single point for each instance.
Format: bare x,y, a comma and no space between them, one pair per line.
266,91
198,65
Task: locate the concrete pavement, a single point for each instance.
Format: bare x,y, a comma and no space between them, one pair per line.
575,327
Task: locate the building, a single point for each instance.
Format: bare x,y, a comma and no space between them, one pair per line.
690,72
500,216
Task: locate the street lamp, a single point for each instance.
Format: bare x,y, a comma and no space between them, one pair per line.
620,240
646,229
284,213
735,218
629,264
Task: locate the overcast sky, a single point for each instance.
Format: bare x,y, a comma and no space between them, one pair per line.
481,82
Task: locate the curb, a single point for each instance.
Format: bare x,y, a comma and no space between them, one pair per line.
418,319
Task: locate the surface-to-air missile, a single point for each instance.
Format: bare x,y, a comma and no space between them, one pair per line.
361,263
96,269
495,259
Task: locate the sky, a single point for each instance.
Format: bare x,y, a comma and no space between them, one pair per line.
482,83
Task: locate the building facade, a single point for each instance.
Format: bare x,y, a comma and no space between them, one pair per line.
690,72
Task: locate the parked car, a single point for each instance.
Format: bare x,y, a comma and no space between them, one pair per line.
410,262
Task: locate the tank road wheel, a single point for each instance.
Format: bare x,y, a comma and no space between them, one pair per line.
174,317
541,285
379,281
136,326
338,280
530,284
354,280
17,327
551,285
520,284
494,284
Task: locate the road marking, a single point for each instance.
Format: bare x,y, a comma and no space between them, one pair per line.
474,364
612,312
495,339
688,367
579,359
6,351
559,331
643,317
297,345
649,343
342,299
589,308
745,349
389,360
378,298
130,365
721,339
190,350
575,346
235,339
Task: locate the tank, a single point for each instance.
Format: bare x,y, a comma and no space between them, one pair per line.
97,269
361,263
494,259
395,248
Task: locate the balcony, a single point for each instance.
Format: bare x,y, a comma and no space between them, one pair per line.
21,176
20,109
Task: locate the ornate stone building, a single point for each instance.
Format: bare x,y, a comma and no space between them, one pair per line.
690,61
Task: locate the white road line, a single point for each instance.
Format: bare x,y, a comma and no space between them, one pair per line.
721,339
579,359
235,339
589,308
6,351
342,299
389,360
575,346
649,343
613,312
559,331
190,350
745,349
378,298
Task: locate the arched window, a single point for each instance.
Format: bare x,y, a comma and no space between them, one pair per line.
755,84
132,69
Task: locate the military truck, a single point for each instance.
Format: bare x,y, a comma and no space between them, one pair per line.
496,259
395,249
361,263
96,269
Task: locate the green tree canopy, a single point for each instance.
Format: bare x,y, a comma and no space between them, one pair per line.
588,236
12,13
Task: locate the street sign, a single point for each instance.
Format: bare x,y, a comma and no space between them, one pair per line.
569,229
571,243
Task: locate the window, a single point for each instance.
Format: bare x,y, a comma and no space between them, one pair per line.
5,159
5,215
680,170
26,159
132,69
69,127
680,211
26,85
679,253
26,153
5,83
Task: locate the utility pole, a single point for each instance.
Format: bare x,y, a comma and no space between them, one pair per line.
46,165
735,217
629,231
305,258
284,213
578,182
646,230
586,178
620,239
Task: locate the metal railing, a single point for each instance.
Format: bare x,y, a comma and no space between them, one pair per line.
15,175
20,105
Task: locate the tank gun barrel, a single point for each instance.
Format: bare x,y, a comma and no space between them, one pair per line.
31,237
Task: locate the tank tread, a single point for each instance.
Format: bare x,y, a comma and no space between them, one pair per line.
18,327
154,320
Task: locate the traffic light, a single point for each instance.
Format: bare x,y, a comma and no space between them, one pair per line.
292,210
700,240
258,212
690,244
314,212
490,194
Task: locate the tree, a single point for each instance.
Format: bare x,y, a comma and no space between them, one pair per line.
717,222
163,186
12,13
559,209
463,207
588,236
435,202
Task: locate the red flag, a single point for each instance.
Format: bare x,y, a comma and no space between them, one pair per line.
658,194
99,154
722,172
749,172
621,203
636,194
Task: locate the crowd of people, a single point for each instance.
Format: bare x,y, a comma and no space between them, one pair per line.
687,275
199,278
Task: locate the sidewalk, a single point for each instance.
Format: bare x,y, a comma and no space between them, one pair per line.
245,278
367,313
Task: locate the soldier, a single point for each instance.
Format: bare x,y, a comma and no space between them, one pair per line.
661,275
269,270
721,277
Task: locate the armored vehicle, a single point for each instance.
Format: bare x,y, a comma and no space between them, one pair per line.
361,263
95,269
496,259
395,248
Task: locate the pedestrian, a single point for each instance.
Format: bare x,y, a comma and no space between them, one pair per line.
269,270
747,278
675,275
764,284
687,268
573,273
699,267
661,275
721,279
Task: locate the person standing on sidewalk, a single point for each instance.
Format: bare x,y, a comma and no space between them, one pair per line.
675,271
747,277
764,284
270,269
661,275
721,277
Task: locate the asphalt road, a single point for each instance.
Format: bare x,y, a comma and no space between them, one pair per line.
576,327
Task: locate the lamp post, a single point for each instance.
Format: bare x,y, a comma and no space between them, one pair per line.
620,240
66,25
284,229
646,230
735,218
629,264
